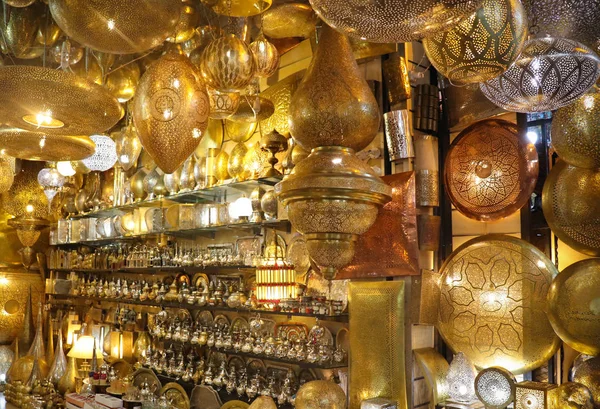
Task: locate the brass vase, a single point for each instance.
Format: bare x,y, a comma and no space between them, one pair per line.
67,381
333,105
37,349
27,332
59,364
171,110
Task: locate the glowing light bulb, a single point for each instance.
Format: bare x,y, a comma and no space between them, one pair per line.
111,24
65,168
29,208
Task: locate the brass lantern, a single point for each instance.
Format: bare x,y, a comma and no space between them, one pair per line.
481,47
29,229
332,197
227,64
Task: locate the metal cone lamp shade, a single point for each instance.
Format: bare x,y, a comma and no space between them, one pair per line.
549,74
55,102
105,156
42,146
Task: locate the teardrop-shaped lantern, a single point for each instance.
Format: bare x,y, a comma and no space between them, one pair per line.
171,110
129,147
235,166
266,57
227,64
461,379
333,105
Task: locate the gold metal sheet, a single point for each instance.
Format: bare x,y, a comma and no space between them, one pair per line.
389,247
289,20
434,368
377,342
39,146
492,303
281,95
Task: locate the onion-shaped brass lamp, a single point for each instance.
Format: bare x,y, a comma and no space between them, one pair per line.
117,26
64,103
51,181
549,74
266,57
490,170
482,46
332,197
29,229
393,21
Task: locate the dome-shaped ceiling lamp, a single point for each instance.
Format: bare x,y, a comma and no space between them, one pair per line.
490,170
481,47
105,156
40,146
393,21
549,74
117,26
56,102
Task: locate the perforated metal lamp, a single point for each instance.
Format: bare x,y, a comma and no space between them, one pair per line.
51,180
29,228
105,156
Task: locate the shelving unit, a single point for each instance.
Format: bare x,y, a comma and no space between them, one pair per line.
67,299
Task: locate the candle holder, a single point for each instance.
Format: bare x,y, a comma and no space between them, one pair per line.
273,142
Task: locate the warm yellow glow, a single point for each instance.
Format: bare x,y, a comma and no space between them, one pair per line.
111,24
84,348
3,280
43,119
29,208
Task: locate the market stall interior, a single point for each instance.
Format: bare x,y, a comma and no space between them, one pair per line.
320,204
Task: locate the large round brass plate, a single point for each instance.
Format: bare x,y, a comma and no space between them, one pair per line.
11,307
492,299
571,206
40,146
574,306
117,26
176,395
490,171
50,97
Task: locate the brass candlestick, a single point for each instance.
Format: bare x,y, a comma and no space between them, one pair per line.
273,142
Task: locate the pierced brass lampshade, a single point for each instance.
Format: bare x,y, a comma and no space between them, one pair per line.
572,307
492,298
223,104
482,46
7,175
525,86
171,110
333,105
575,131
393,21
266,57
29,229
241,8
588,374
490,170
332,197
569,201
64,103
19,29
40,146
117,26
129,147
287,20
227,64
240,131
495,387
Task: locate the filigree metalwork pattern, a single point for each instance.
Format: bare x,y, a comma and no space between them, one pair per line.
490,170
398,135
281,95
392,21
550,73
427,188
482,46
492,299
495,387
571,207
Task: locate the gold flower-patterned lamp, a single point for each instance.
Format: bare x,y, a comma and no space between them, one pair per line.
29,229
393,21
64,103
490,170
495,387
274,143
117,26
484,283
482,46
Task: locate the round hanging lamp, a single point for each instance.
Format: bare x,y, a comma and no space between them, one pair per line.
571,206
492,298
227,64
128,147
495,387
117,26
51,181
549,74
490,170
55,102
39,146
266,57
286,20
393,21
105,156
576,129
482,46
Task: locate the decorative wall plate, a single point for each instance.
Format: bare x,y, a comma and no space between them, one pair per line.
122,368
222,321
236,362
176,395
200,281
240,325
235,404
256,366
144,375
492,303
205,318
292,331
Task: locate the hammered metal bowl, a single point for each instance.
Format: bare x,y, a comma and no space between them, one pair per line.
576,129
64,103
490,170
571,206
117,26
573,306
